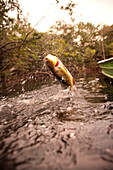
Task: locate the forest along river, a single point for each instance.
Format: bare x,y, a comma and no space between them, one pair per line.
52,128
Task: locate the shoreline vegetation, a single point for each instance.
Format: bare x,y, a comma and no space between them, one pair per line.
23,49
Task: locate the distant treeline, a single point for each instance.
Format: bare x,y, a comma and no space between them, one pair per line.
22,48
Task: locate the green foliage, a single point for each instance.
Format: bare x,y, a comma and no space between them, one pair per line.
106,42
89,53
87,34
89,57
111,49
18,52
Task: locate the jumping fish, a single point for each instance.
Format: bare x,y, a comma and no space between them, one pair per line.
59,70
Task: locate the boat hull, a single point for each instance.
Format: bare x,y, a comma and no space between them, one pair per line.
107,67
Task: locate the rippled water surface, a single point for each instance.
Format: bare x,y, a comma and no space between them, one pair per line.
48,127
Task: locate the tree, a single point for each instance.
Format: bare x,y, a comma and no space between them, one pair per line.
6,27
17,50
87,34
106,41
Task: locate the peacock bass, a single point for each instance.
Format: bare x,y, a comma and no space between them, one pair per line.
59,70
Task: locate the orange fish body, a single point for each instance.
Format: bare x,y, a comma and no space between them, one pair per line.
59,70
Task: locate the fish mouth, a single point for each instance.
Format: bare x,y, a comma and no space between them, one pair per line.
47,59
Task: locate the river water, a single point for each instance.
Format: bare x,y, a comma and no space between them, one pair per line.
46,127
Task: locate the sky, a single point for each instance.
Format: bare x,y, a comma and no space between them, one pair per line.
94,11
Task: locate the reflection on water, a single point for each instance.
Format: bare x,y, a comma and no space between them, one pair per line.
99,86
17,88
92,84
44,126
